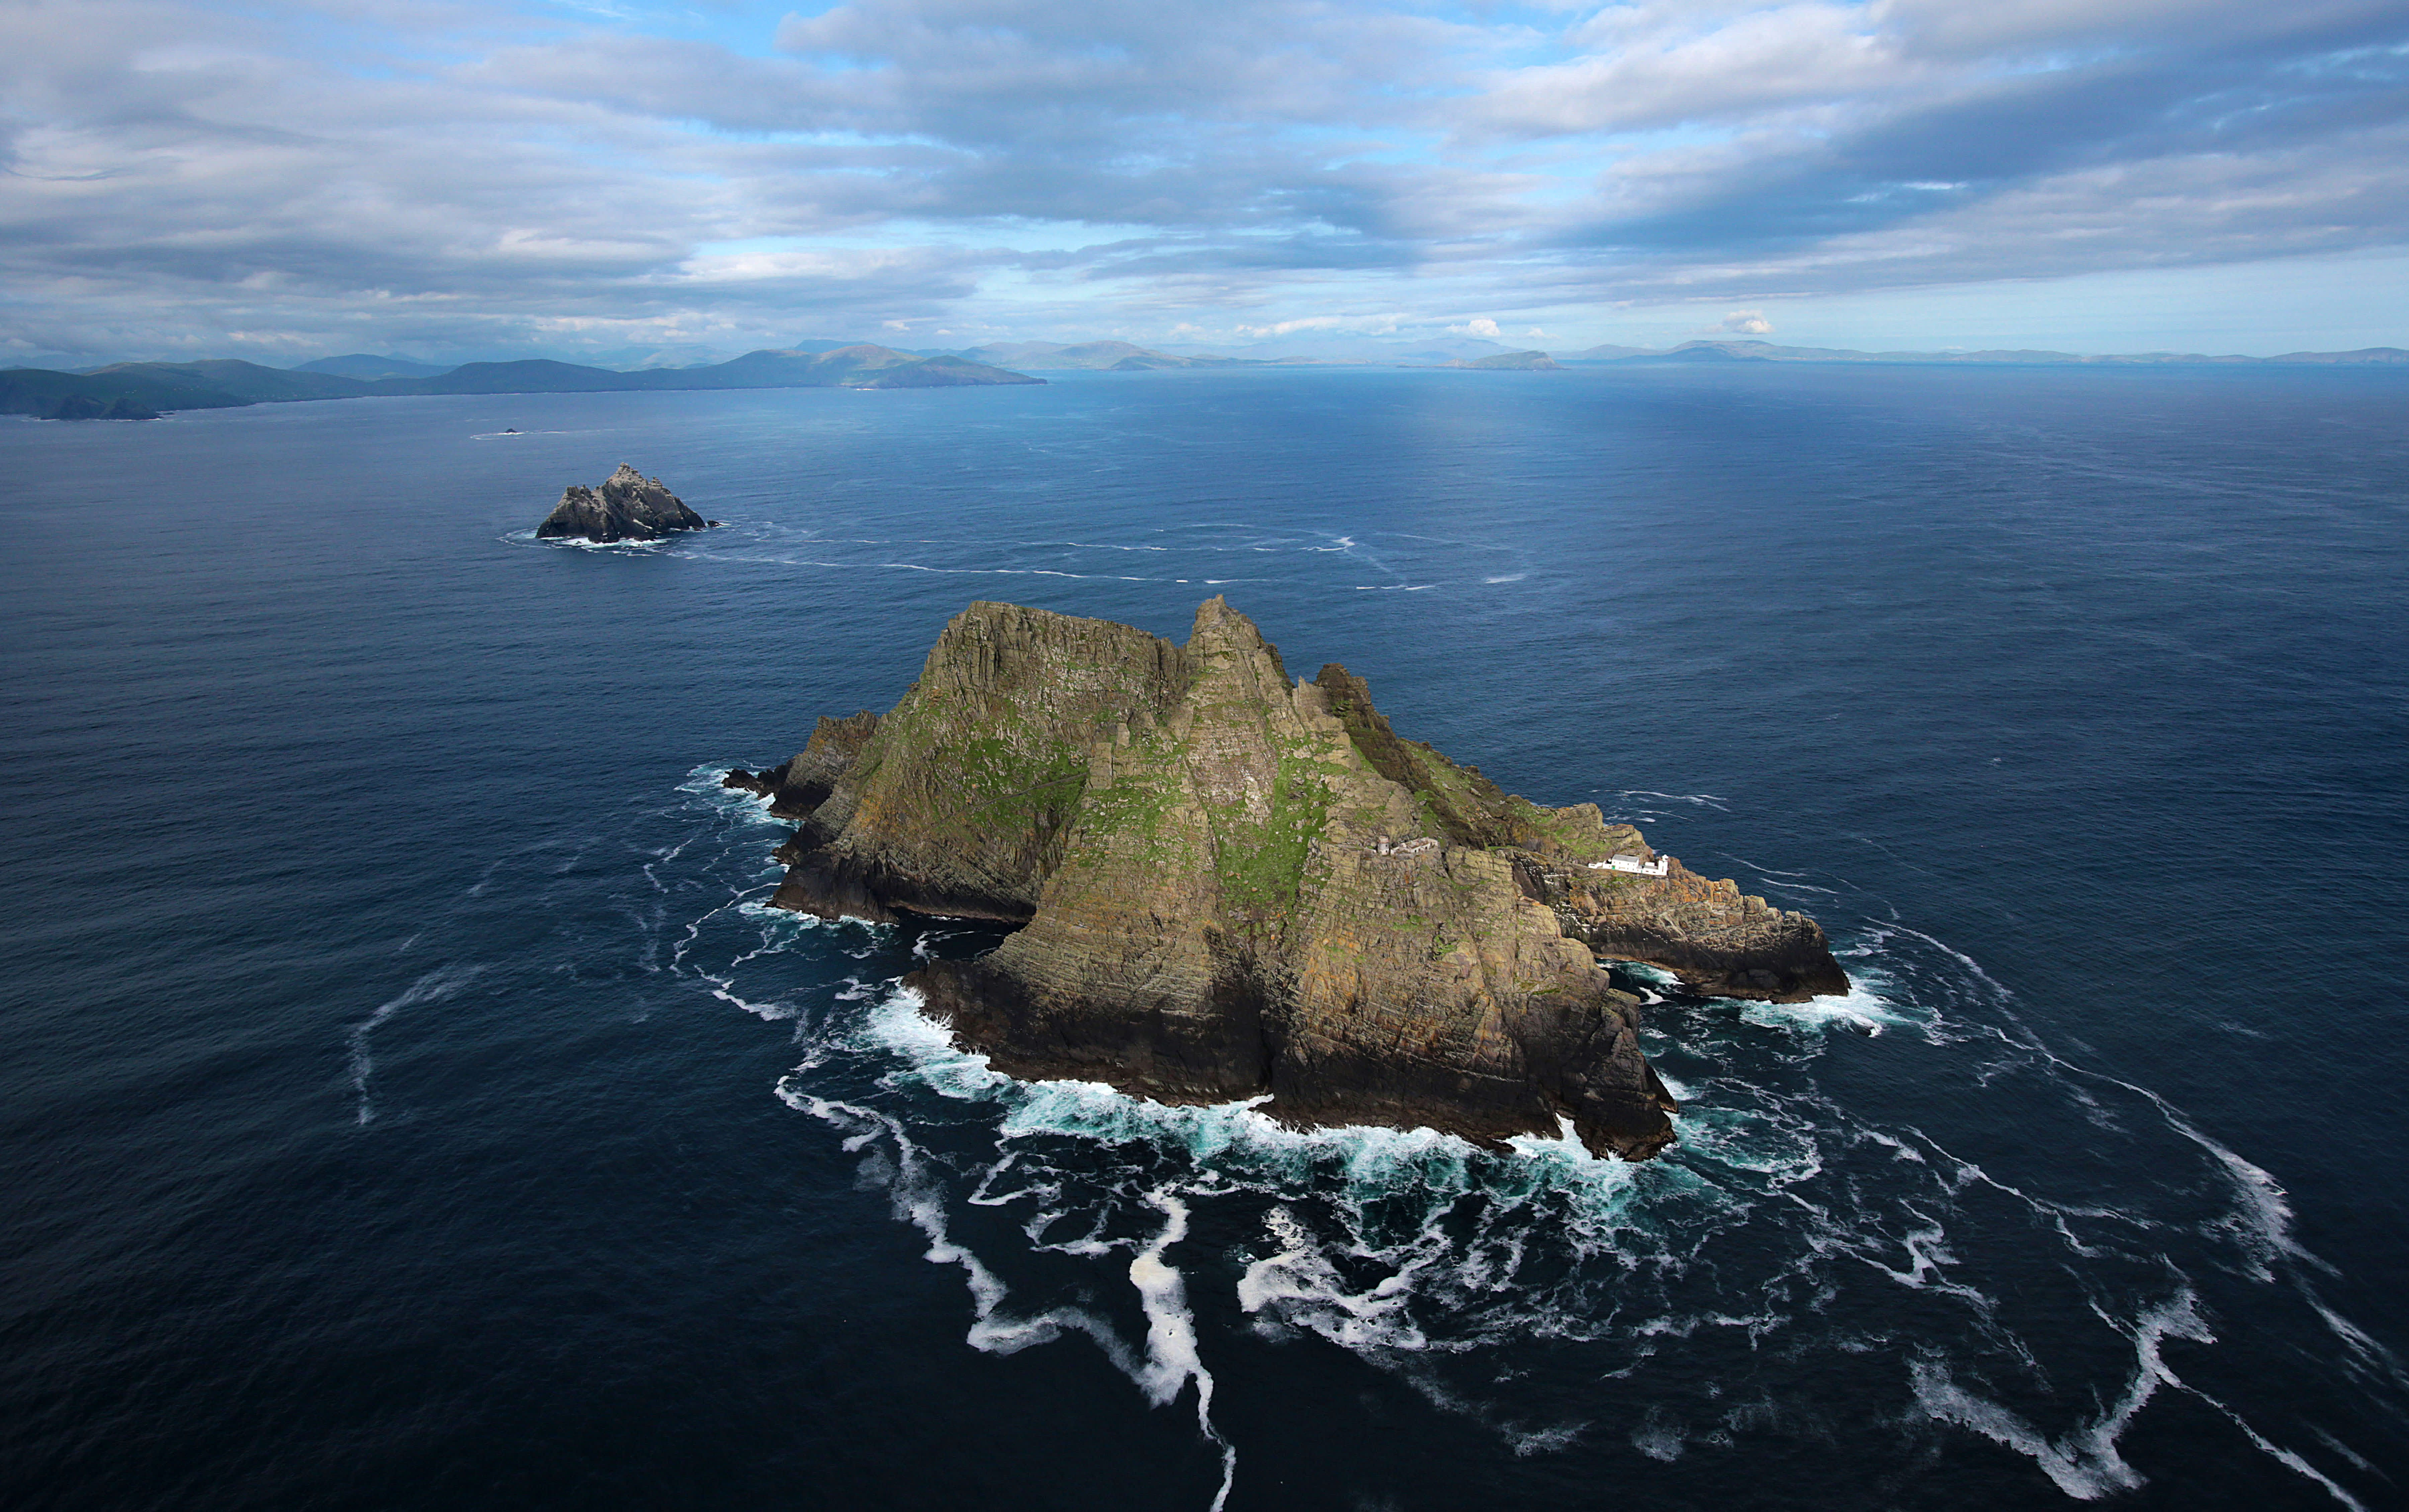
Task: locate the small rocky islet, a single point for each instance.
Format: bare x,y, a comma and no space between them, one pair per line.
1227,883
627,506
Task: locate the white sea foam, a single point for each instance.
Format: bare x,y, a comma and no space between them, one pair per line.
1171,1358
1644,972
1861,1009
759,908
1296,1286
1426,1256
2261,1218
2083,1462
1968,962
1767,870
724,989
626,548
434,986
2290,1459
918,1200
1093,1111
1659,1437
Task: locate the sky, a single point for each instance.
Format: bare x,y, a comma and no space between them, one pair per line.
283,181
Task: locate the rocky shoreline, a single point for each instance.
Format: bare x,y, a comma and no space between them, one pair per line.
627,506
1228,883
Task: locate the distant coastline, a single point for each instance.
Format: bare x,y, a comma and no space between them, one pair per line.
141,390
1767,351
224,383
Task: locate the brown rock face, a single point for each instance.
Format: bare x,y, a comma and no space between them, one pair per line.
1718,942
802,783
1230,883
628,507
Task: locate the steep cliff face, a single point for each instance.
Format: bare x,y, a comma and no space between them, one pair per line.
957,801
628,507
797,786
1718,941
1233,884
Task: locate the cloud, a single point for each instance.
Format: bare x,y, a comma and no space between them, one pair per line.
189,176
1748,323
1353,324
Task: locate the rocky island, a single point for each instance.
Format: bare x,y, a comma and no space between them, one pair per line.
1226,883
628,507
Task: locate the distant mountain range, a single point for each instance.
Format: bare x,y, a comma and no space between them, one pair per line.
1767,351
1478,353
1094,356
1340,347
1512,362
135,390
370,369
140,390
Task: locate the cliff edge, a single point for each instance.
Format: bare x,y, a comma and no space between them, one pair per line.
1229,882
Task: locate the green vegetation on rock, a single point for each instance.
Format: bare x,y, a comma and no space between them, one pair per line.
1233,884
1262,865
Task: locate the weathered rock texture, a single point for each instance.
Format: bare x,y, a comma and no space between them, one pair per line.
628,507
1229,882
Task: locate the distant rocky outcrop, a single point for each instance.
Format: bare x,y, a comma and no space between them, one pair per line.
1228,883
628,507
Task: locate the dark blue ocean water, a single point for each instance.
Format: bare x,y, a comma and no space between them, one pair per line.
406,1103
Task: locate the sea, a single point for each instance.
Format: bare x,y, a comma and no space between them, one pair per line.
408,1102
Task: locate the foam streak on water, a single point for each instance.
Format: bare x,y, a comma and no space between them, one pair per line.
1170,1361
435,986
1434,1264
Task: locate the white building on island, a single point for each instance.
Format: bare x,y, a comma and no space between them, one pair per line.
1628,862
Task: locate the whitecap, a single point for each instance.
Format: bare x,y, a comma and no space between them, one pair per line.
1296,1286
1861,1009
1657,976
1658,1438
